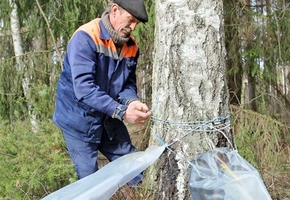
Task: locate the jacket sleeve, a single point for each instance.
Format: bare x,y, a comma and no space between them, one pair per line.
129,92
82,59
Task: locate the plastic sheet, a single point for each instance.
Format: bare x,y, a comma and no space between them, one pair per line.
105,182
222,174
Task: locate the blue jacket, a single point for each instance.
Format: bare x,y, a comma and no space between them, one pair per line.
95,80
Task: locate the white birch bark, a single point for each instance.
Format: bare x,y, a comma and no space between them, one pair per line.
244,91
189,85
15,31
18,51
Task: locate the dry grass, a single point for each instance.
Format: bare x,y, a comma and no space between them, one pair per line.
136,193
265,143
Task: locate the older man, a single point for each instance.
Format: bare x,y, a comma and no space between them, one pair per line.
97,87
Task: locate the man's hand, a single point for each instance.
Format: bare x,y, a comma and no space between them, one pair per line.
137,113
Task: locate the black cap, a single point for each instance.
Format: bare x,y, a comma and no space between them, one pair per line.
135,8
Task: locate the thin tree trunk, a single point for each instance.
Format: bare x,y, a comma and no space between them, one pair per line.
234,65
18,51
16,36
249,82
189,85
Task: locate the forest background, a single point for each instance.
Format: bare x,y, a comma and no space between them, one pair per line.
33,158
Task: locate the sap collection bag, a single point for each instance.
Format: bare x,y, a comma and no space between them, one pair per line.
102,184
222,174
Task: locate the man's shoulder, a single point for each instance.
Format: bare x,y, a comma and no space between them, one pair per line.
92,27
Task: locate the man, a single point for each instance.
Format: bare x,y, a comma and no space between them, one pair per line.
97,87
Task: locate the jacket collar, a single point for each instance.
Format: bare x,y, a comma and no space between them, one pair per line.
105,35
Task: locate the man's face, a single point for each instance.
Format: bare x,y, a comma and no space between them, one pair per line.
122,21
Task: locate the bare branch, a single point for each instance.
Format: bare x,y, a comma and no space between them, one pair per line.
51,33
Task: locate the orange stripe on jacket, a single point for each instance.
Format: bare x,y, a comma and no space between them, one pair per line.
93,29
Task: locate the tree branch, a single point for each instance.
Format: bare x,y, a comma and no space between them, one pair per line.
50,31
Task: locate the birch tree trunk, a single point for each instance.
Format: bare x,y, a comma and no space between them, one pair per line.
18,51
189,88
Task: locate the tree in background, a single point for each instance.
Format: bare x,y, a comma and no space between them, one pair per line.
18,51
34,164
234,66
189,89
257,59
257,69
44,28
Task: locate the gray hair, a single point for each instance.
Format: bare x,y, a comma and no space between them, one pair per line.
108,9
